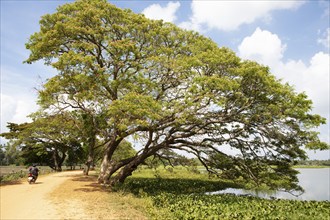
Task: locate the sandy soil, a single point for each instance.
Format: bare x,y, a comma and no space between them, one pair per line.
65,195
32,201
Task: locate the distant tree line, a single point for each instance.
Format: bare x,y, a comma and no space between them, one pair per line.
314,162
11,154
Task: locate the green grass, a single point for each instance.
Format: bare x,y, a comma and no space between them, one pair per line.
179,193
200,206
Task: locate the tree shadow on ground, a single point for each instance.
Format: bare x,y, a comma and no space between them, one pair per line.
90,184
13,182
84,178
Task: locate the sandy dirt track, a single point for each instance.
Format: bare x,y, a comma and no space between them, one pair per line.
34,201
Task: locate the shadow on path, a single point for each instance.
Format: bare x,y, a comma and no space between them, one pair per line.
90,184
10,183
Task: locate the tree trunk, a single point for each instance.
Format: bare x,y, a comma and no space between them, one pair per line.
90,159
55,158
90,124
58,160
104,171
106,165
128,165
125,172
89,163
132,165
111,168
61,160
117,165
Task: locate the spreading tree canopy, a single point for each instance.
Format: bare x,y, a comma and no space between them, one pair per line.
170,89
48,139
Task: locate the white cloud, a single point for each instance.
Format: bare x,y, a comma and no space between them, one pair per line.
313,77
15,108
157,12
229,15
325,39
18,96
262,46
325,4
8,107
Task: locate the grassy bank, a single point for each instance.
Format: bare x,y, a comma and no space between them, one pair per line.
180,194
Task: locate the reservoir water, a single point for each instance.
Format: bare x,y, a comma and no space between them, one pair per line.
316,183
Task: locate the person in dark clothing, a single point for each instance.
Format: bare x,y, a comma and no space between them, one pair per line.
34,171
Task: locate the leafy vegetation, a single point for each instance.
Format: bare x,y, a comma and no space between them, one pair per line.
184,198
36,142
236,207
9,177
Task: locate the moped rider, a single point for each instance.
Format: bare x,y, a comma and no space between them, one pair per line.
34,171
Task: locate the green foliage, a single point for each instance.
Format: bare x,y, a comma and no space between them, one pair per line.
235,207
10,155
2,154
124,150
76,155
45,140
185,198
12,177
166,157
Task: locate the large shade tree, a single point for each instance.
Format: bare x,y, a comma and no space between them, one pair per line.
171,89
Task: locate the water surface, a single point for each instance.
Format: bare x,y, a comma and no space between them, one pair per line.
315,181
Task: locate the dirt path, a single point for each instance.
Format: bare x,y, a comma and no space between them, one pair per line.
65,195
25,201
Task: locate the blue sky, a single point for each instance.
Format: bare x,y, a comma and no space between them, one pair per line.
291,37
